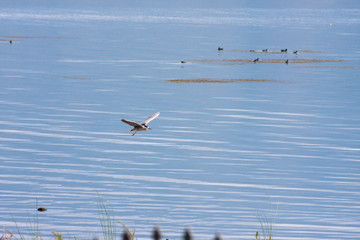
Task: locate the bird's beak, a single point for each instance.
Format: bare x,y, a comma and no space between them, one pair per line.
149,128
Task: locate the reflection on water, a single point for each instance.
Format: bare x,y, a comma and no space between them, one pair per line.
218,154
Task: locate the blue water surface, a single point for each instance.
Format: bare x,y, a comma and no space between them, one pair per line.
277,136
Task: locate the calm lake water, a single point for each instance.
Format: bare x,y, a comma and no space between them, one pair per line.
234,138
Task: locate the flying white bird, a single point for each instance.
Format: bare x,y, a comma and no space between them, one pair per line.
141,126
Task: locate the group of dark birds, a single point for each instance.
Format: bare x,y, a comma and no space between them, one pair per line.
282,50
266,50
257,59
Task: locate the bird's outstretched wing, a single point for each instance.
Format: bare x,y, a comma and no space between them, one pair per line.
149,119
131,123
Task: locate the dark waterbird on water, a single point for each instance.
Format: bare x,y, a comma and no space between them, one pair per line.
256,60
41,209
141,126
156,234
187,235
220,49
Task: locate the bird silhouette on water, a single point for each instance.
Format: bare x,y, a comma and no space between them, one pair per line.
187,235
156,234
141,126
41,209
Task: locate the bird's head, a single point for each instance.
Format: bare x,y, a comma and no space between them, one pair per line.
146,127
